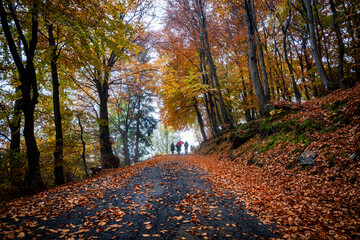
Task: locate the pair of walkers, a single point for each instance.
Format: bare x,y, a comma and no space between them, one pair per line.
178,147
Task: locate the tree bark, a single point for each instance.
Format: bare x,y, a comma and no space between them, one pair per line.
58,153
308,67
212,68
107,157
28,86
83,147
15,139
259,44
290,67
318,62
340,43
200,121
106,153
259,91
126,147
137,134
326,49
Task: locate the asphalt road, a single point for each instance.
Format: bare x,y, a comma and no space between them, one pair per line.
169,200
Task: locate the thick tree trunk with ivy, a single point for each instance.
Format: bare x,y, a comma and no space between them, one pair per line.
259,91
29,88
58,153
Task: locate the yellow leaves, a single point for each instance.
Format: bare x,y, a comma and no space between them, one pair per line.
21,235
148,225
102,223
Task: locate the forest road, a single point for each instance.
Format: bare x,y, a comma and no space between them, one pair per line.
169,200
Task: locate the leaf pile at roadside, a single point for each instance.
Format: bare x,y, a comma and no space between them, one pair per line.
321,200
56,201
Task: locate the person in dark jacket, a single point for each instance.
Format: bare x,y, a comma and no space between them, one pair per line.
172,148
186,145
178,148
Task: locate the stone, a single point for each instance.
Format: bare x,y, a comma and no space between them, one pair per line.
307,158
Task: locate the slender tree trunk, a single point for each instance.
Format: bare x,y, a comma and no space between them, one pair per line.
302,68
210,113
200,121
340,43
318,62
137,135
279,66
29,88
290,67
207,95
83,147
247,112
213,74
259,45
58,153
353,21
308,68
126,147
326,49
253,63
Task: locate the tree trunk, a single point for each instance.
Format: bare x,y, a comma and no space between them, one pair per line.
58,153
33,155
15,139
253,63
261,55
137,135
290,67
207,95
212,68
127,160
340,43
108,160
326,49
308,67
83,148
28,86
318,62
200,121
279,66
106,153
300,57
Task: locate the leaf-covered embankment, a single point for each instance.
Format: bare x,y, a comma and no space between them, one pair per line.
260,163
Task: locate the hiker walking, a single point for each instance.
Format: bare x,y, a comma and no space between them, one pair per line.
178,146
172,148
186,145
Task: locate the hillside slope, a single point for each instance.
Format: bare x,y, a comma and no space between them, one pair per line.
316,197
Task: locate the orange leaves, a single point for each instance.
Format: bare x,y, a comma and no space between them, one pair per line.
318,201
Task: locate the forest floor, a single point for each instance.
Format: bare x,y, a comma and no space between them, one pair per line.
168,197
247,183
